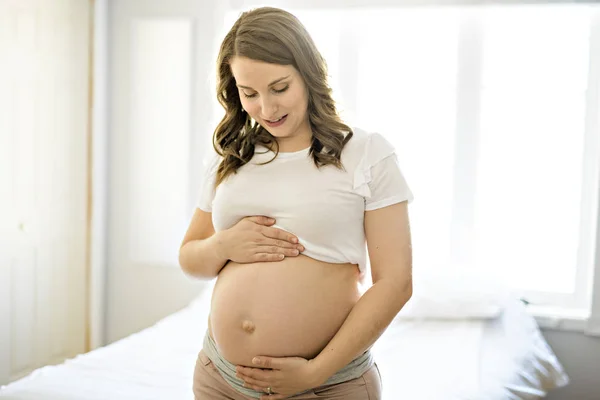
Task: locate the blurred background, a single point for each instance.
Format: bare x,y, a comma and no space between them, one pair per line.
107,109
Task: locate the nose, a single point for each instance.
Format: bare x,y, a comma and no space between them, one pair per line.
269,107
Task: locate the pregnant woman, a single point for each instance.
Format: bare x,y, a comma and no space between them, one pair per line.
289,204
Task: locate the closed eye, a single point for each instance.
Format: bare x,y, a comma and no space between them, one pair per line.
278,91
281,90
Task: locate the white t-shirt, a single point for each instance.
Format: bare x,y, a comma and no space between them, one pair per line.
324,207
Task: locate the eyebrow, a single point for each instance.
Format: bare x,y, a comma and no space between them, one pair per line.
270,84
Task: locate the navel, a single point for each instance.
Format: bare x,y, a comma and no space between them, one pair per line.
248,326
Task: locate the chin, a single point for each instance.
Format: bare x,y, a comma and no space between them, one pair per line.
277,132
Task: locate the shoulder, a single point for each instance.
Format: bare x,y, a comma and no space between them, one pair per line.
377,175
357,141
210,163
367,146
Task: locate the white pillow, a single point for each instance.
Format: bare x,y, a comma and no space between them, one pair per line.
457,295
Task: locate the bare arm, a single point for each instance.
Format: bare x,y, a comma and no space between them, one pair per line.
388,239
204,253
200,254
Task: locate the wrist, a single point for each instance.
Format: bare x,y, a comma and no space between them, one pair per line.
220,247
318,372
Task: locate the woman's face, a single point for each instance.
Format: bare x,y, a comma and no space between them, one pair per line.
276,97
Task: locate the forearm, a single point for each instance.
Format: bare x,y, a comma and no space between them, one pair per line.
204,258
364,325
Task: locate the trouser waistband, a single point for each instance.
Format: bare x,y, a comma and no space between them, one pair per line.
353,370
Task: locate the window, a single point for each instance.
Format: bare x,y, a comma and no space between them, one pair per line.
533,111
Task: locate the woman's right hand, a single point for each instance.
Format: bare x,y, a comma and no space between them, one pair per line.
253,239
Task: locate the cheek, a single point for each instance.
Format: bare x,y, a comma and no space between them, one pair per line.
251,107
303,100
296,101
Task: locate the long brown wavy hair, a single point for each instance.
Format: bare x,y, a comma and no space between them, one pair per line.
274,36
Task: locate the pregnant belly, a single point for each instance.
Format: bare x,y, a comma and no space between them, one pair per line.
280,309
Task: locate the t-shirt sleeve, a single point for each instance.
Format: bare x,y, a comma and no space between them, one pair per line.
208,178
378,177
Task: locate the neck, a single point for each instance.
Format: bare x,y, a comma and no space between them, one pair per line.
300,140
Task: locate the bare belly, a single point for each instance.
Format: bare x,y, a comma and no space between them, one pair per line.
280,309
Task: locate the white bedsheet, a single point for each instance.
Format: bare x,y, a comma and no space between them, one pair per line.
516,362
506,358
421,360
430,360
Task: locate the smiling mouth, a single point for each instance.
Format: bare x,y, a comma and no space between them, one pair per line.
275,120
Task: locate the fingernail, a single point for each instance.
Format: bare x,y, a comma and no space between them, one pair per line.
295,240
255,361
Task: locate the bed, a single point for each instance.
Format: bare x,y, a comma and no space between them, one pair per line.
505,357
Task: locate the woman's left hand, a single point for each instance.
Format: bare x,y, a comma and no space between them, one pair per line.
285,376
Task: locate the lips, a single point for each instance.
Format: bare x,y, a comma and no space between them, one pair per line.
277,122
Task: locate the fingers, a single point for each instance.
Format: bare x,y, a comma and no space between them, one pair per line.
265,376
274,244
261,220
254,383
288,252
274,253
275,233
281,243
264,257
266,241
255,387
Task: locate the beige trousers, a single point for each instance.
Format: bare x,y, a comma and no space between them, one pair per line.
210,385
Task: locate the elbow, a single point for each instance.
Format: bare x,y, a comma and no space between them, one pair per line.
184,264
408,290
183,258
188,266
196,273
